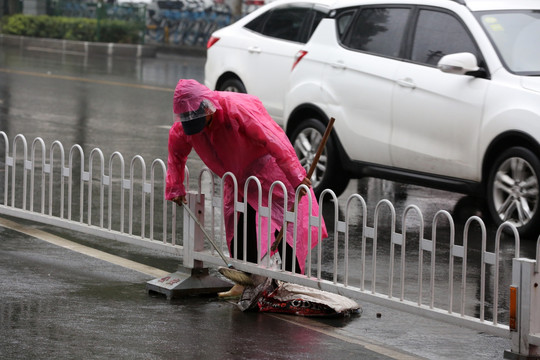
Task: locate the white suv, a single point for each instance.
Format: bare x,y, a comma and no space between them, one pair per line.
433,92
438,93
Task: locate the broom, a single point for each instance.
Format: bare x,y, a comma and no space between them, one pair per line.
239,277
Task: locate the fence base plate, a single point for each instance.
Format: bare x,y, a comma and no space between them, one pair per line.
176,285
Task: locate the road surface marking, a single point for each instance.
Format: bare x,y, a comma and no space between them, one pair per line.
358,340
94,81
82,249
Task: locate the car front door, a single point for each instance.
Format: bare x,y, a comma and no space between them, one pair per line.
436,117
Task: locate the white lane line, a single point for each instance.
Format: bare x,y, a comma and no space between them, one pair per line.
67,244
358,340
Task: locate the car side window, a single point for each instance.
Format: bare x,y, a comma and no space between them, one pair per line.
439,34
378,30
257,23
343,21
284,23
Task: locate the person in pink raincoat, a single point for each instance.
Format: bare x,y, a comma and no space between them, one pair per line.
232,132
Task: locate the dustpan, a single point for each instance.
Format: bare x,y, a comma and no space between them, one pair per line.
274,296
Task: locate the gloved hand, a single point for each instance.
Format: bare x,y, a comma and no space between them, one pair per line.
180,200
306,182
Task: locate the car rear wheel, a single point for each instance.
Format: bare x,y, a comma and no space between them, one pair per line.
232,85
328,174
513,190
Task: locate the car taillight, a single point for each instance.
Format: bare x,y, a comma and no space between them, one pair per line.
211,41
299,55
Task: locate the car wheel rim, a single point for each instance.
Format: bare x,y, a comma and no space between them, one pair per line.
515,191
306,145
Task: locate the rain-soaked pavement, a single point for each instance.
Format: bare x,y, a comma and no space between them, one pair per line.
62,304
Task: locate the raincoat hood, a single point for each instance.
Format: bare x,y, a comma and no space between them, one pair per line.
189,94
192,103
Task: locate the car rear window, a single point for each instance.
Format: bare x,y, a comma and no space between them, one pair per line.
285,23
293,23
378,30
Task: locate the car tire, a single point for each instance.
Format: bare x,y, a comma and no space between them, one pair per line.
513,190
328,174
233,85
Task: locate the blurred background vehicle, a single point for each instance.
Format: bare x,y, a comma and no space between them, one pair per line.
256,53
147,2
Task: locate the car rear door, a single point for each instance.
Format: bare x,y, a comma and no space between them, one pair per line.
359,79
436,117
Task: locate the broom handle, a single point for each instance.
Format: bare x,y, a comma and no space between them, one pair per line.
206,234
309,174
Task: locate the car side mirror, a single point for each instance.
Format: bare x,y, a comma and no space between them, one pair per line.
460,64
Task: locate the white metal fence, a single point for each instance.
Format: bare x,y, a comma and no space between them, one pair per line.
440,276
50,185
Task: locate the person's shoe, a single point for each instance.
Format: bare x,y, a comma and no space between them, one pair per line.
234,292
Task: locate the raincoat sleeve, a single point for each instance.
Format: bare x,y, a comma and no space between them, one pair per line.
260,128
179,149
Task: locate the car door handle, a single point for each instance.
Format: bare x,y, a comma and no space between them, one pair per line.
254,49
407,82
339,65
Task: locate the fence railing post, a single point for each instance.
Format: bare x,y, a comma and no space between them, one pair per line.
193,234
200,282
525,326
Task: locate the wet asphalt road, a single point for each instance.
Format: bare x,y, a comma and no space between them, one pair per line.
56,302
60,304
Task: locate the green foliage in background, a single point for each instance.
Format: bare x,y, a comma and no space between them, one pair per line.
81,29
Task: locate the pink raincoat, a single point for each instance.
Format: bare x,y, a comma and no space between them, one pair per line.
242,139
